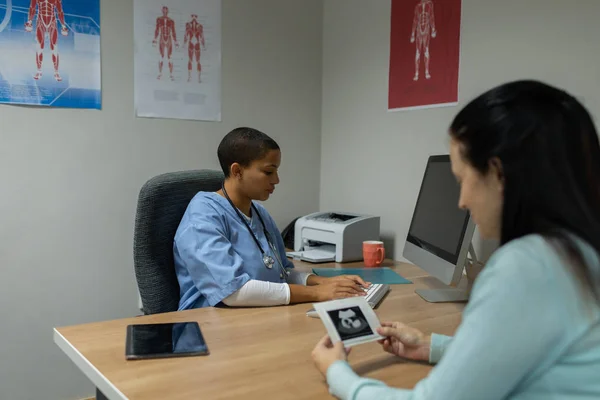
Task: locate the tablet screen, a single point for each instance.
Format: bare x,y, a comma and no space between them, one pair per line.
165,340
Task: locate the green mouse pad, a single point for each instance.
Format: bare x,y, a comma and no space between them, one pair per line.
373,275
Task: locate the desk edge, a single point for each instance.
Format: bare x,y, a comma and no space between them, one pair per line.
91,372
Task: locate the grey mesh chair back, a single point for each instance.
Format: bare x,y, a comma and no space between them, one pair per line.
161,203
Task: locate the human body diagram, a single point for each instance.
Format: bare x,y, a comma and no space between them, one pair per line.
194,37
423,31
46,25
165,37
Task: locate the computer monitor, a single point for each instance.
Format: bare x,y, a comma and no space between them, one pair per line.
440,234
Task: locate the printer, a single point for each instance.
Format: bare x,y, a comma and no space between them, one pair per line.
333,236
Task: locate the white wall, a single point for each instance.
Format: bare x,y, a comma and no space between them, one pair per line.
69,179
372,160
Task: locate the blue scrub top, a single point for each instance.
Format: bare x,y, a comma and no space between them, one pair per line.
215,254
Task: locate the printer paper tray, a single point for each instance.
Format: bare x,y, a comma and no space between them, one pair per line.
312,256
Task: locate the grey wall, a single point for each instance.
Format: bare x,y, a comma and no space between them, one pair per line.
373,160
70,179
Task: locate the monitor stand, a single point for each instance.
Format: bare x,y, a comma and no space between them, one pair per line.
455,295
444,295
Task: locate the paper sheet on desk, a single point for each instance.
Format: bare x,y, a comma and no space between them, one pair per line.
373,275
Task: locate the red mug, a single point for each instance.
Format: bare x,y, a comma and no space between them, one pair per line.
373,253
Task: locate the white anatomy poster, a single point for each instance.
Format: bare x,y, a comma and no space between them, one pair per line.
178,59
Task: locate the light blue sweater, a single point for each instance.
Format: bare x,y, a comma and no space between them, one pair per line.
528,332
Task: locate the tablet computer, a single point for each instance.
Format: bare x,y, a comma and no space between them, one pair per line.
179,339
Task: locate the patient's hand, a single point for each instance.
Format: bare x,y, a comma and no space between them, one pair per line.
404,341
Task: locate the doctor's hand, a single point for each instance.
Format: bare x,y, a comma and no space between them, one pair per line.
404,341
326,353
354,278
318,280
332,289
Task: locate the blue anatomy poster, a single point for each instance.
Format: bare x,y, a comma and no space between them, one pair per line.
50,53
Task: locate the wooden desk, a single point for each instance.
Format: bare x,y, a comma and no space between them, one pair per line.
256,353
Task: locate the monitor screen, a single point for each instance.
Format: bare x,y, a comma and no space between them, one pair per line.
438,225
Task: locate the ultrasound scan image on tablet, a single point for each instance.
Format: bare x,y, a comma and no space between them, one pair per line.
351,321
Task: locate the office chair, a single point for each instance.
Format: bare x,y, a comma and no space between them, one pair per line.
162,201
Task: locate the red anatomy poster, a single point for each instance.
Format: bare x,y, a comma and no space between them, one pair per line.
424,53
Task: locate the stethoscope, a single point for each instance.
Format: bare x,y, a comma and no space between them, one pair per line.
267,259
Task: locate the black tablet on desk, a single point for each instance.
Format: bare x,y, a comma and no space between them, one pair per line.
179,339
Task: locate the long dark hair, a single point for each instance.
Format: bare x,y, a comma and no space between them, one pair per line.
550,155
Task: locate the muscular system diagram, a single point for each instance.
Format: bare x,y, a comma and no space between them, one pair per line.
194,37
423,31
46,25
165,36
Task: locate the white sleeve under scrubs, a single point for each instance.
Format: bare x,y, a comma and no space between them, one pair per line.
215,254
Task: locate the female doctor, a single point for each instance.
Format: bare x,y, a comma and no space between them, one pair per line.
227,248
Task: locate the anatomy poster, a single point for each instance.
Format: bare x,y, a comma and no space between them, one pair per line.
424,53
50,53
178,59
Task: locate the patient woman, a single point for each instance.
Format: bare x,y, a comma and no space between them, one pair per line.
227,248
528,161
